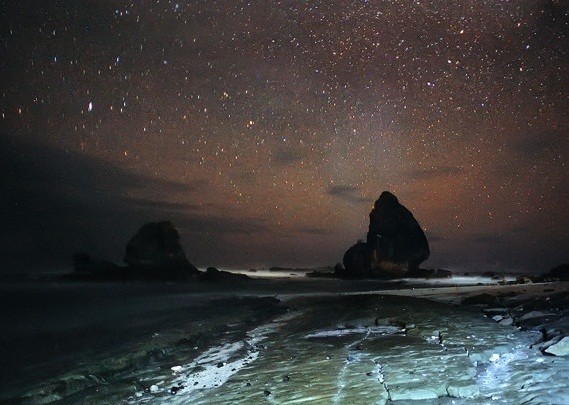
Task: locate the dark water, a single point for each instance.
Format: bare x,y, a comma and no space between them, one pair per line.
101,330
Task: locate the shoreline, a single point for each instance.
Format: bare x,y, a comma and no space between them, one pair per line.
165,305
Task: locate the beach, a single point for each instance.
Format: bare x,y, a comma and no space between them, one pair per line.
280,340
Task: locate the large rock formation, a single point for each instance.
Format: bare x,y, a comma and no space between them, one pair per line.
155,252
155,244
395,238
395,246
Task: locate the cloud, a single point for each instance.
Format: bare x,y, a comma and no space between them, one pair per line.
55,203
215,224
347,193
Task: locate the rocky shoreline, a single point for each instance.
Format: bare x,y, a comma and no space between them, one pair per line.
547,315
391,345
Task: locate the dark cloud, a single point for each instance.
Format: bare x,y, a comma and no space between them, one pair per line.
221,225
57,202
347,193
164,206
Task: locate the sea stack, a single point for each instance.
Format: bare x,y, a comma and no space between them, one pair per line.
396,245
155,252
155,244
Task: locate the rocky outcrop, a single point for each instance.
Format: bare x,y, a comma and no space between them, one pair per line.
395,239
85,265
396,245
214,275
356,262
544,314
561,348
155,252
155,244
561,272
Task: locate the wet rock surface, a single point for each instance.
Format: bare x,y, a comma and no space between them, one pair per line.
363,349
329,349
547,316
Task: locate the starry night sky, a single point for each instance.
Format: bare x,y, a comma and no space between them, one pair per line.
266,129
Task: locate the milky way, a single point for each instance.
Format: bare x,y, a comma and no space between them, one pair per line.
266,129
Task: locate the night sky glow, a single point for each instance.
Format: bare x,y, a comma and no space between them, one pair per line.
266,129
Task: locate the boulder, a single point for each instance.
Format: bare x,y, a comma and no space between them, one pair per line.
396,242
560,348
86,267
155,244
356,262
561,272
214,275
155,253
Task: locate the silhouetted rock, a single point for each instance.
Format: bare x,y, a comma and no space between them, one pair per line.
338,268
396,244
85,266
561,272
395,239
214,275
155,244
155,253
356,261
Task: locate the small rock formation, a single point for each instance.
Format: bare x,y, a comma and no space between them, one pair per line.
396,245
561,272
155,244
559,348
155,252
85,265
356,261
214,275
